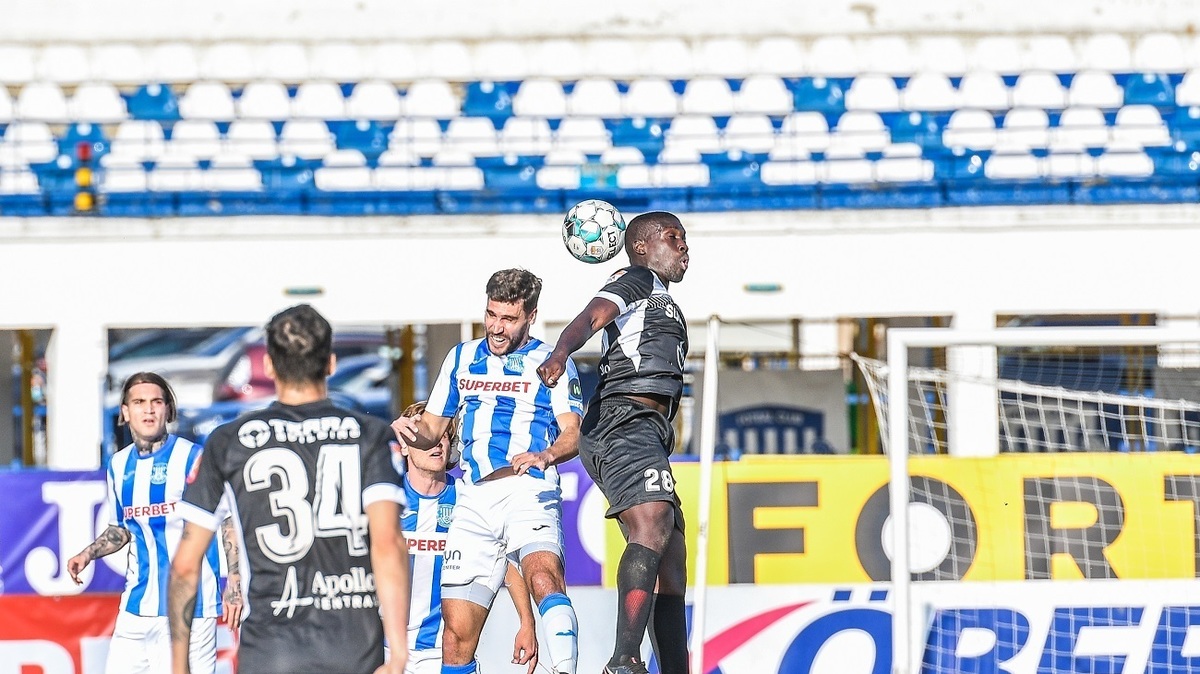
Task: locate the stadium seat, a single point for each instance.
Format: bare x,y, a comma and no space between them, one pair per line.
446,60
173,63
920,128
526,136
562,170
795,172
970,129
996,53
650,97
1012,164
98,102
1124,160
557,58
339,62
1159,53
612,58
499,60
375,100
316,99
305,138
457,170
7,108
487,99
228,62
1188,91
343,170
597,97
1149,89
890,55
929,91
1025,127
1054,53
787,151
692,132
264,100
722,57
119,63
667,58
122,173
1096,89
678,167
432,99
1038,89
707,95
635,176
833,56
873,92
847,165
362,135
903,162
42,102
861,130
17,65
394,61
819,94
940,54
983,90
644,134
475,136
282,61
778,56
254,138
1185,126
1079,127
207,100
18,181
1107,52
420,136
764,94
1069,162
63,64
749,133
137,140
395,170
806,130
154,101
175,172
622,155
29,142
540,97
582,134
196,138
83,132
1140,125
232,172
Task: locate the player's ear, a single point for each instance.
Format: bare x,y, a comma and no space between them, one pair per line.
123,416
533,316
268,366
332,365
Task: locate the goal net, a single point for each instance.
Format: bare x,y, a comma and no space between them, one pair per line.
1052,499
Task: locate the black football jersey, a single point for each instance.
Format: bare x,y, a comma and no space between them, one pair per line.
644,347
299,478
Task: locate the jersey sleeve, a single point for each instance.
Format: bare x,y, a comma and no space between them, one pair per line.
568,399
628,286
381,479
203,496
443,397
112,502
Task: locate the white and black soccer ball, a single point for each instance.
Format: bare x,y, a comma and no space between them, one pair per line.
594,231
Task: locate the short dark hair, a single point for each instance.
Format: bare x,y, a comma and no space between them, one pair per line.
299,341
149,378
647,225
515,285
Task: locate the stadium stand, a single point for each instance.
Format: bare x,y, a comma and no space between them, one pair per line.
918,120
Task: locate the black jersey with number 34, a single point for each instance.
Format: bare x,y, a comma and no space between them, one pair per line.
644,347
300,477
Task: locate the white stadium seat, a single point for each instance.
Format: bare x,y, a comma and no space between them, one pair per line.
394,62
526,136
833,56
764,94
18,181
174,172
173,63
805,130
431,98
540,97
374,99
227,62
860,130
448,60
678,167
252,138
17,64
873,92
29,143
1105,51
339,62
983,90
847,165
421,136
499,61
970,129
1095,88
122,173
1079,127
941,54
197,138
650,97
595,96
119,63
64,64
6,107
622,155
929,91
207,100
283,61
232,172
305,138
1188,91
562,170
582,134
611,57
694,133
1025,127
778,56
42,102
317,99
707,95
749,133
1012,164
722,57
457,170
475,136
343,170
796,172
902,162
997,54
1125,160
888,55
97,102
138,139
557,58
1051,52
1140,125
1039,89
665,57
1159,53
1069,162
264,100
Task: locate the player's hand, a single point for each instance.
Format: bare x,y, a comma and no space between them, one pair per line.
76,565
406,429
525,647
551,370
521,463
395,663
232,601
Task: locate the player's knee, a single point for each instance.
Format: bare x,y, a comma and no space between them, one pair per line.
650,524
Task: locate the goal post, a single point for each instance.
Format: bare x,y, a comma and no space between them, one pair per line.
925,410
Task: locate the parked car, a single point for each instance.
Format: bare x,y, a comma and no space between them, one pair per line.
192,372
245,378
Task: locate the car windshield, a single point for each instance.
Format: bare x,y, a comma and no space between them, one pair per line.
357,374
161,342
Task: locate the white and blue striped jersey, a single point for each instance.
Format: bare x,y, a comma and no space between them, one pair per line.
504,407
143,495
425,524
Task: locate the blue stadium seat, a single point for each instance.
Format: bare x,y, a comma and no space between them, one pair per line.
510,172
1185,126
734,168
154,101
922,128
287,174
820,94
368,137
1149,89
642,133
487,99
83,132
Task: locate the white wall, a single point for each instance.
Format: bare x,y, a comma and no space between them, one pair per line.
323,20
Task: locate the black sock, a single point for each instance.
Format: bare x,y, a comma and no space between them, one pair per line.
635,595
668,633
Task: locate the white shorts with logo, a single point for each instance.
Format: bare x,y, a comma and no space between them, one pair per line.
495,522
142,645
427,661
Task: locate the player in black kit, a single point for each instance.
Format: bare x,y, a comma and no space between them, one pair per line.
319,505
628,436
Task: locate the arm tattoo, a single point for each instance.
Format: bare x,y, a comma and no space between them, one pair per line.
181,621
229,540
110,540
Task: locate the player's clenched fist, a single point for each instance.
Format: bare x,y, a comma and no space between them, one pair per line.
551,370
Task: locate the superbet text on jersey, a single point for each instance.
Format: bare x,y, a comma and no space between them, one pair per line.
300,477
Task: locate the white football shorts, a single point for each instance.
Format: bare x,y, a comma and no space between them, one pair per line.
495,522
142,645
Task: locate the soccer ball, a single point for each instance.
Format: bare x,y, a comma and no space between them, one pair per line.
594,231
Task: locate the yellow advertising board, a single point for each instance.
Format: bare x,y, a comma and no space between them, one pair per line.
822,519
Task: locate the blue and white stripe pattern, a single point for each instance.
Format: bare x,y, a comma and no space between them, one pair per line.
425,525
505,408
143,497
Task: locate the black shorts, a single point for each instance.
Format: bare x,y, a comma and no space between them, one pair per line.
624,449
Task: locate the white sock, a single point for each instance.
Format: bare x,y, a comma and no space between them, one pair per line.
562,631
